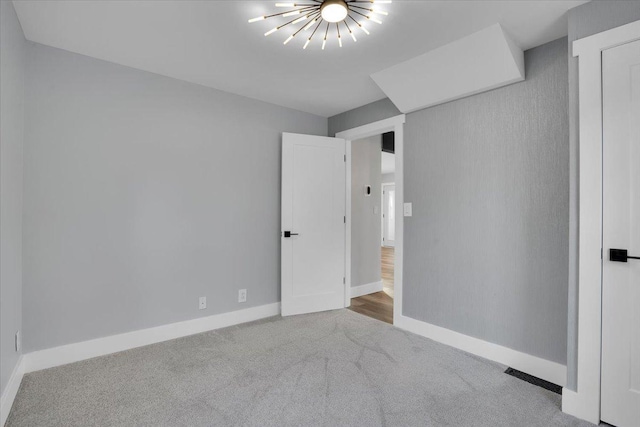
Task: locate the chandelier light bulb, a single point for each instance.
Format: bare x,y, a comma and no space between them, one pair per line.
302,18
307,43
310,24
259,18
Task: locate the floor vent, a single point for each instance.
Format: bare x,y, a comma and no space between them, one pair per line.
534,380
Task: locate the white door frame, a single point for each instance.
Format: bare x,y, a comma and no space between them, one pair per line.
585,402
395,124
382,189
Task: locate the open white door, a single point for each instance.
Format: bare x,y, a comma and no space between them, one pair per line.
313,223
621,231
388,215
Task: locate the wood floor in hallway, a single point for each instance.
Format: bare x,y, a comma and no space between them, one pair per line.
379,305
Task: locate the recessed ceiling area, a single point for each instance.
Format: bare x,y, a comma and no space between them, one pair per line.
210,43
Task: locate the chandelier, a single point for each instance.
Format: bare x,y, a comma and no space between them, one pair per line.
327,15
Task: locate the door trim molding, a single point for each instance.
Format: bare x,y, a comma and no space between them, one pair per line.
585,401
395,124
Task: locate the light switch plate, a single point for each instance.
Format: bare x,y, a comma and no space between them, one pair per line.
408,209
202,303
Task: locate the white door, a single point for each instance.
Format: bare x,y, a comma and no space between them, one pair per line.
313,223
389,215
621,230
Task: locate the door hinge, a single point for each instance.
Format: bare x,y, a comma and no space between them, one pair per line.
344,281
345,219
345,158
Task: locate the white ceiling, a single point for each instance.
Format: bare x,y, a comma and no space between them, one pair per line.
211,43
388,162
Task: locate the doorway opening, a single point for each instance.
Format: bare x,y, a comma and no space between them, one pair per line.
395,124
373,226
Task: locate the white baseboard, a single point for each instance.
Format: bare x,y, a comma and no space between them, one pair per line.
366,289
10,391
572,404
532,365
70,353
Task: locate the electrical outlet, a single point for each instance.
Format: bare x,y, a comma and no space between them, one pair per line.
242,295
202,303
18,342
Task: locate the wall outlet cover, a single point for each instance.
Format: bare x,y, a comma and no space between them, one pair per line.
242,295
202,303
408,209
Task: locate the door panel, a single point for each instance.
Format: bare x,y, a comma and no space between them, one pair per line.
313,207
389,210
621,230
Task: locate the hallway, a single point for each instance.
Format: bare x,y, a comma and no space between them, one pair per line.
379,305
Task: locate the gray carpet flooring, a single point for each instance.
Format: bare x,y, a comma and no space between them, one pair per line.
334,368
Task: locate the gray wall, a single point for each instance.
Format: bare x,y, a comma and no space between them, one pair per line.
486,251
12,58
585,20
143,193
366,233
369,113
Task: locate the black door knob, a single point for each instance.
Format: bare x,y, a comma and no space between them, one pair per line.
620,255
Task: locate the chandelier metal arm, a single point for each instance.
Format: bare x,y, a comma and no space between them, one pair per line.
359,7
305,25
361,14
315,29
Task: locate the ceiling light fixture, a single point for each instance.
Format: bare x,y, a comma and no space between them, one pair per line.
316,12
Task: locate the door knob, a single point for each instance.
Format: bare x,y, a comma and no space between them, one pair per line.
620,255
289,234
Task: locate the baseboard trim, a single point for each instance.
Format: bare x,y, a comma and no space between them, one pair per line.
532,365
573,404
366,289
11,390
76,352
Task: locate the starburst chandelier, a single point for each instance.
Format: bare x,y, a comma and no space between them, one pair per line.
326,16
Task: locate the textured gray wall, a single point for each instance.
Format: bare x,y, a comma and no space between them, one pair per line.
12,58
143,193
585,20
366,232
486,251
